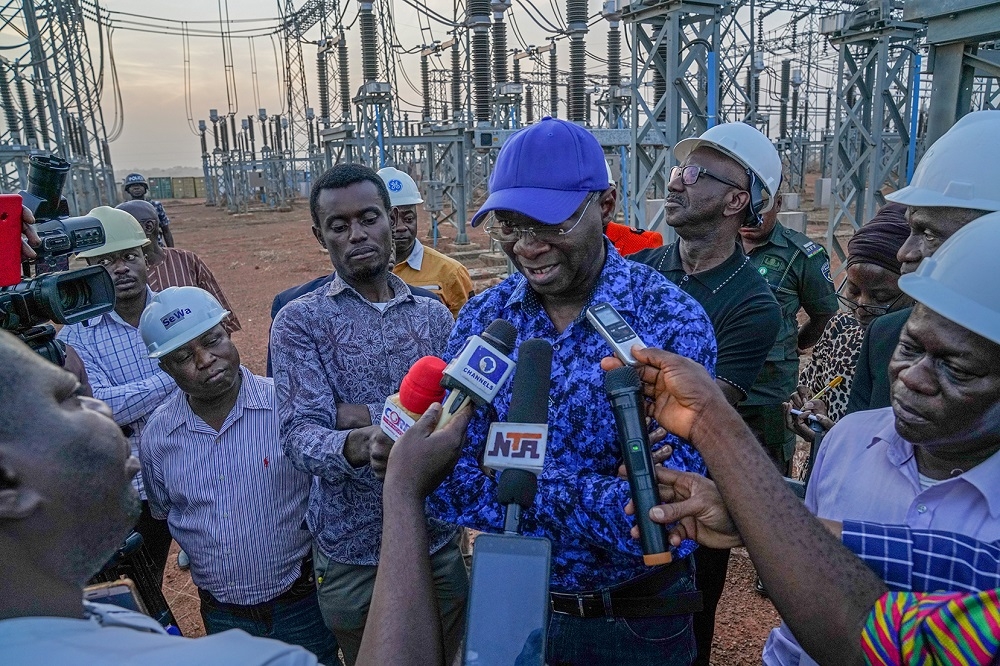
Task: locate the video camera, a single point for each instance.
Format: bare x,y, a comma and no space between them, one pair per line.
28,304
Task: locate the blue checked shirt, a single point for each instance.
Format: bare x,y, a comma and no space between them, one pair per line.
925,560
580,500
233,501
121,373
332,345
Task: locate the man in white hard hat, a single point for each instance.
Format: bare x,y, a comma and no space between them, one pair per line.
954,183
930,461
417,264
113,353
214,470
726,180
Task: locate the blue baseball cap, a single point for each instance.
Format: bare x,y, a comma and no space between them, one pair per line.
545,171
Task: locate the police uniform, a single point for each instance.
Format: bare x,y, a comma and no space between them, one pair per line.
798,272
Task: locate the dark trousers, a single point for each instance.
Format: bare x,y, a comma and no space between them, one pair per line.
711,566
155,540
767,423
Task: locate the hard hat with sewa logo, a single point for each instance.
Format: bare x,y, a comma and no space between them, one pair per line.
402,190
176,316
960,281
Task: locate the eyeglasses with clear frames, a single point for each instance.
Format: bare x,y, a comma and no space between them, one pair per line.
508,233
874,310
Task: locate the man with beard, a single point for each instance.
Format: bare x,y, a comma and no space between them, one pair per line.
66,504
112,350
337,354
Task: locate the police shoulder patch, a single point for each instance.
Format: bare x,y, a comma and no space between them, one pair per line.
801,241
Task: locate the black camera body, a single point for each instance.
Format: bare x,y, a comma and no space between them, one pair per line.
66,297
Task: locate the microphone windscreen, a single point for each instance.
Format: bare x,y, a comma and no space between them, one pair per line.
422,384
517,486
623,378
529,401
502,335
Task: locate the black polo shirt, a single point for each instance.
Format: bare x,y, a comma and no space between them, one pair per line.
744,312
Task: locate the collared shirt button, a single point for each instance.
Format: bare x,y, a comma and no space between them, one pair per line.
556,346
921,508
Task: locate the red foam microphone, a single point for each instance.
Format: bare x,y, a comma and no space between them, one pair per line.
420,387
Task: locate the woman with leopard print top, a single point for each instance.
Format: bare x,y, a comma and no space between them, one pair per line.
869,290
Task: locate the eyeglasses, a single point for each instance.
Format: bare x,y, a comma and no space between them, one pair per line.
502,232
873,310
691,173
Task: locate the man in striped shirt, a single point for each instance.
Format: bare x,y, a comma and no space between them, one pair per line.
171,267
215,472
112,352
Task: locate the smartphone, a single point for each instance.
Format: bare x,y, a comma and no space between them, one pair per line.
615,330
508,612
121,592
10,239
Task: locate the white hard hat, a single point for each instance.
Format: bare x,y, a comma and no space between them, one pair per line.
402,190
176,316
121,232
611,176
961,169
748,146
960,280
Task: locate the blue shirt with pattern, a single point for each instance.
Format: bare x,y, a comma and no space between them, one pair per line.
580,500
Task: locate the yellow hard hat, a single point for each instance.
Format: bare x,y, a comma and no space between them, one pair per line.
121,232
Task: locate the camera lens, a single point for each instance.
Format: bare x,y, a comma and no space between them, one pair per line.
73,294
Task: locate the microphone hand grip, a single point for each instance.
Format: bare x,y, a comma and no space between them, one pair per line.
452,404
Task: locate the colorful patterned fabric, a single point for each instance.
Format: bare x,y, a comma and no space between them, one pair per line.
954,629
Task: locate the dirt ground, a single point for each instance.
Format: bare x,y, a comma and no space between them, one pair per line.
257,255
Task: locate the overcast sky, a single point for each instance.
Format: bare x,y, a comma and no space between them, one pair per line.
151,74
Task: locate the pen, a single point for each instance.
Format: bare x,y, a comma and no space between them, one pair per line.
834,383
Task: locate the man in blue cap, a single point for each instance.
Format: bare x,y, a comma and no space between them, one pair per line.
548,207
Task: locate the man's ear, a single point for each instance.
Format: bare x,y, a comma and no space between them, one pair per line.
318,233
739,201
393,216
609,205
17,501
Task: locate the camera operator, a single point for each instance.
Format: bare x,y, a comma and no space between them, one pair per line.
65,505
29,241
113,352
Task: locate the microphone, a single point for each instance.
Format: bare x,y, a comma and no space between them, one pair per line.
479,370
420,387
622,386
517,446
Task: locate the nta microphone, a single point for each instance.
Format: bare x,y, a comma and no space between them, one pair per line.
622,386
517,446
480,369
420,387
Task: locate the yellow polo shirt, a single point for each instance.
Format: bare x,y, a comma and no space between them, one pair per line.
436,272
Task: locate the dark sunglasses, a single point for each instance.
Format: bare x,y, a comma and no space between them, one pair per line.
690,174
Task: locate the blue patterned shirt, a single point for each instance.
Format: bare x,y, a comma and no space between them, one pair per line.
333,345
580,499
121,373
925,560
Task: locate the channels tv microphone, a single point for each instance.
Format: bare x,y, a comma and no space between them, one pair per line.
516,447
420,387
622,386
479,370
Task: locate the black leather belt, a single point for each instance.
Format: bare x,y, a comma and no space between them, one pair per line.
303,586
633,598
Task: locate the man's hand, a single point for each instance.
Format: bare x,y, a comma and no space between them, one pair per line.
351,416
358,447
681,389
29,238
421,458
695,505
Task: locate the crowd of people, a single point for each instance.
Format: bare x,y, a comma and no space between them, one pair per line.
305,526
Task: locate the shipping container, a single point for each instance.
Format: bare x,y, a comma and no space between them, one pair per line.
160,188
183,187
